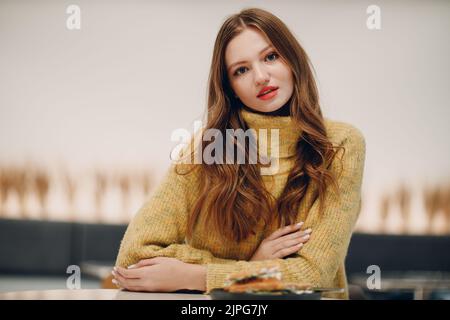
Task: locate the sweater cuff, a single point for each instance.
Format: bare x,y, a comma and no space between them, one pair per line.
216,274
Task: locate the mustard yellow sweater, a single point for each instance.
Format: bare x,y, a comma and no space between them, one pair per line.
158,229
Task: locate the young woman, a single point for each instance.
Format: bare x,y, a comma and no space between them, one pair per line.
214,219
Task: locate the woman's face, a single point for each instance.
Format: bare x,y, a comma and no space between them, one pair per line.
253,65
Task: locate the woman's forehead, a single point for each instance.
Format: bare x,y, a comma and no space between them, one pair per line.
245,46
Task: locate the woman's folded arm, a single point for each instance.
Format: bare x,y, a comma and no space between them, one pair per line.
318,261
158,229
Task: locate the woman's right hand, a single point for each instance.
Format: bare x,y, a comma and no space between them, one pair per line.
283,242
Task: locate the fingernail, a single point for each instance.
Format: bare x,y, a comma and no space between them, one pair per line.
113,273
114,281
115,268
308,230
300,245
306,236
132,266
300,223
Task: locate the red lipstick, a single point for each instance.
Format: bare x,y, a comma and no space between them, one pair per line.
267,92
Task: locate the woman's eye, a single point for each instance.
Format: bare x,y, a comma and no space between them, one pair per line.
240,71
272,56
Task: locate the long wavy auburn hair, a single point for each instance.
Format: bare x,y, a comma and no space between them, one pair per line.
233,198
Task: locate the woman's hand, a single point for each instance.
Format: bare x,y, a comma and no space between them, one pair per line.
282,242
160,274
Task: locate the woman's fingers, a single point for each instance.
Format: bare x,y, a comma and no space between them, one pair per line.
114,281
291,243
288,251
127,273
147,262
130,284
285,230
288,244
295,235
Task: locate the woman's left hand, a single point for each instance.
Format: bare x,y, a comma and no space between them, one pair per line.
160,274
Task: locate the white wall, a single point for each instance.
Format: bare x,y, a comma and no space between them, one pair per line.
110,94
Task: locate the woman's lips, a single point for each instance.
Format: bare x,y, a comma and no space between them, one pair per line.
269,95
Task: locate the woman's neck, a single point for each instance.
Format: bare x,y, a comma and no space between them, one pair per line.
283,111
286,129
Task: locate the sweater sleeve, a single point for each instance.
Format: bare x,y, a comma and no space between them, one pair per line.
158,228
318,261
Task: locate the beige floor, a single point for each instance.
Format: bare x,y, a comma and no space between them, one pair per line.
97,294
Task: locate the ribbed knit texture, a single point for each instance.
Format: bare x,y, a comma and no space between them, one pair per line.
159,227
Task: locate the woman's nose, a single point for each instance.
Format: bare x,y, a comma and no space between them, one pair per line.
261,75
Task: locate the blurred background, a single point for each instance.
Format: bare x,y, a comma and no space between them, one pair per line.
86,117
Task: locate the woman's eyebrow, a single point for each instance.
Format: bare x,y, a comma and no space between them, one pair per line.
239,62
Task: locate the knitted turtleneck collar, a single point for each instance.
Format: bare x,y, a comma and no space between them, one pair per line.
289,133
284,111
